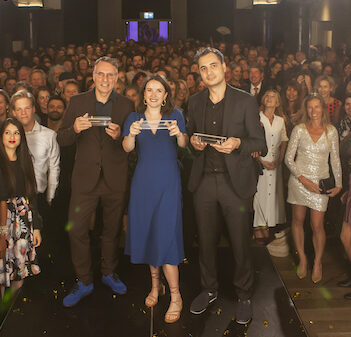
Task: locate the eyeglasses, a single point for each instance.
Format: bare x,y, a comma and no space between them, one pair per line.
102,75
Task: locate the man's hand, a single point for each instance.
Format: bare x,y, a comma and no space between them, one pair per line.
228,146
199,146
81,124
255,154
113,130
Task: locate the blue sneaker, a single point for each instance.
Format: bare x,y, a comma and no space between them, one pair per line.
113,281
78,292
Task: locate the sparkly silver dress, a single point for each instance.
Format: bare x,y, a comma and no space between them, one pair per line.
310,159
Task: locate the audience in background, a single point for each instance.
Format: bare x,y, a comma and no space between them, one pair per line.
67,70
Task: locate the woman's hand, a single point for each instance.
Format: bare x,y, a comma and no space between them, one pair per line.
173,129
333,191
36,238
343,198
269,165
310,185
3,246
135,128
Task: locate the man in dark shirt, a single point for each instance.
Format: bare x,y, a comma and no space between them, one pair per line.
223,177
99,173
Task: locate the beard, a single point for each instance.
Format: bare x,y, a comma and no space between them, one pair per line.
54,115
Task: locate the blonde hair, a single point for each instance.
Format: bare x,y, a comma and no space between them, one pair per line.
327,78
305,119
279,109
21,94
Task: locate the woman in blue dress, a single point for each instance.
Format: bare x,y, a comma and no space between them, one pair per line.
154,230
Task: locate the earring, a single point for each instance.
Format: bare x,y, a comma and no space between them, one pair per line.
145,102
164,102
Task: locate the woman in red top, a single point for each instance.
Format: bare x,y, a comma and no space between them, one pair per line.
325,85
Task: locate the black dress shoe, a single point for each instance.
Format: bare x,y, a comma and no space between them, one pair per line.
345,283
243,311
202,301
347,296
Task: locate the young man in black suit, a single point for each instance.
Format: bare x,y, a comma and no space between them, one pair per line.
224,177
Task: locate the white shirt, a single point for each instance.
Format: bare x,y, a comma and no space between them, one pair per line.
252,88
45,151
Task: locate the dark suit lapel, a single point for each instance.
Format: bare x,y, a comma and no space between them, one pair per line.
228,110
202,110
90,102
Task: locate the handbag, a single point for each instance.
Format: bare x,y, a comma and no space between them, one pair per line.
327,183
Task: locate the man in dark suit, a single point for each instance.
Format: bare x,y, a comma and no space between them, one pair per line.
99,173
256,85
223,177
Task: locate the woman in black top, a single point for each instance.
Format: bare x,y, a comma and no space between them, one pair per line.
19,231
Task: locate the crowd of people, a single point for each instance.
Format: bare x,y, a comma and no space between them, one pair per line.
284,117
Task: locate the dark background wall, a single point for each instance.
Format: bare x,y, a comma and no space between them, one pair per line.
131,8
80,21
77,21
204,16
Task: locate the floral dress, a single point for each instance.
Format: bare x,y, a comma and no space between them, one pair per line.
20,257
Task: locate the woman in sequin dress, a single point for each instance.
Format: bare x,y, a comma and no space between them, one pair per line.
311,142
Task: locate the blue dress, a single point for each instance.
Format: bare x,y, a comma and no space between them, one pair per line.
154,230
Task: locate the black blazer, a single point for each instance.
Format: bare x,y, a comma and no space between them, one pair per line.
94,154
241,120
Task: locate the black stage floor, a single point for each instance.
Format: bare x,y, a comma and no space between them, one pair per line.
38,311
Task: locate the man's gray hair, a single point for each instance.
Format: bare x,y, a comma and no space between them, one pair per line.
108,60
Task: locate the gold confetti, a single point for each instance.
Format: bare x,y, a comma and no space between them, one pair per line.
44,332
114,296
297,294
144,312
186,261
54,291
265,323
24,299
49,255
226,332
331,326
219,311
291,321
311,322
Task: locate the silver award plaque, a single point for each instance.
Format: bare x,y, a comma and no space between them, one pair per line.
99,120
155,125
210,139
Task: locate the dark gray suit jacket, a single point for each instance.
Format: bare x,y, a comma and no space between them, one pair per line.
241,120
94,154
